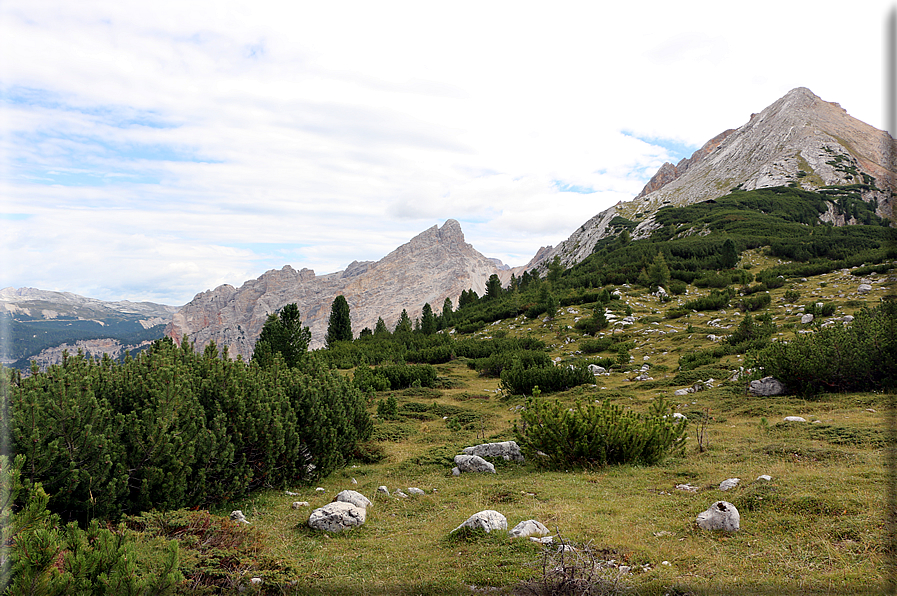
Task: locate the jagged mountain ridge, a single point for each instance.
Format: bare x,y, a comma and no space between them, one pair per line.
435,265
799,139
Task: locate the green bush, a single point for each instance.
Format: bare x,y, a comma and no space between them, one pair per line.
861,356
593,346
401,376
715,301
792,296
492,366
518,380
826,310
754,303
595,435
174,428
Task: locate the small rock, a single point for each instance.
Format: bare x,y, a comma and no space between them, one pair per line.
729,483
415,491
847,318
794,419
722,515
764,477
488,521
542,540
400,494
767,386
256,581
473,463
337,516
679,416
805,319
291,494
456,471
383,490
507,450
354,481
320,490
870,410
528,528
356,498
238,516
864,289
300,504
687,487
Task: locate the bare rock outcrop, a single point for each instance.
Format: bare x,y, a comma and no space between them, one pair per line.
435,265
799,139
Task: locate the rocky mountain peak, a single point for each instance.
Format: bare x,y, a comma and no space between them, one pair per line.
799,139
434,265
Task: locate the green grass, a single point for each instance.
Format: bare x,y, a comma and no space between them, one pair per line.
816,528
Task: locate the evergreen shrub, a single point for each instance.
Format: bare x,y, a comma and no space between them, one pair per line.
861,356
518,380
596,435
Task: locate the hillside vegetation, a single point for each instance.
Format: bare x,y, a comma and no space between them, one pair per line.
738,275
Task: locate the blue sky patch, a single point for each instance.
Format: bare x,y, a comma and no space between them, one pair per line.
676,149
564,187
15,216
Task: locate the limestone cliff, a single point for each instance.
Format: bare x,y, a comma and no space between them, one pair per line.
799,139
435,265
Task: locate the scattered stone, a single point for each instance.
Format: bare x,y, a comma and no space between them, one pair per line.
488,521
399,493
687,488
542,540
805,319
764,477
291,494
507,450
256,581
864,289
663,533
597,370
528,528
456,471
472,463
337,516
383,490
729,483
238,517
847,318
354,481
679,416
870,410
767,386
356,498
683,391
320,490
722,515
795,419
300,504
415,491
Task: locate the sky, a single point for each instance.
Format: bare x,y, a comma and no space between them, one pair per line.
155,150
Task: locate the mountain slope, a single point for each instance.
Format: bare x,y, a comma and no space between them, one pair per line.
41,324
799,139
435,265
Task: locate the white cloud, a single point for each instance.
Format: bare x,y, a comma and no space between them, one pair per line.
164,148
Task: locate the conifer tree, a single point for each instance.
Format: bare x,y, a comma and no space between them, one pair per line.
427,320
493,287
340,326
283,333
404,324
380,329
446,318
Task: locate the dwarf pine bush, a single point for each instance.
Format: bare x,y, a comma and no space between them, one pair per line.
861,356
595,435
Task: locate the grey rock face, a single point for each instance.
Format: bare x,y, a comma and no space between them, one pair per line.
473,463
767,386
353,497
529,528
488,521
435,265
722,515
507,450
337,517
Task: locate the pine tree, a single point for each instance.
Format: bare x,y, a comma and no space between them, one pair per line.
380,329
447,316
493,287
658,273
427,320
283,333
404,324
729,258
340,326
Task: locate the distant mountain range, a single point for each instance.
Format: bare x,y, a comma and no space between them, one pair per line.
799,140
42,324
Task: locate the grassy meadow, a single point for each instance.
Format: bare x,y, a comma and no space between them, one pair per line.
816,528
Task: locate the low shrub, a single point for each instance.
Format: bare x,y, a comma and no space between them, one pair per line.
518,380
596,435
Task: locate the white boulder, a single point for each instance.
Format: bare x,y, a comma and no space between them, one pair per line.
473,463
767,386
794,419
507,450
722,515
488,521
729,483
354,497
528,528
337,517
